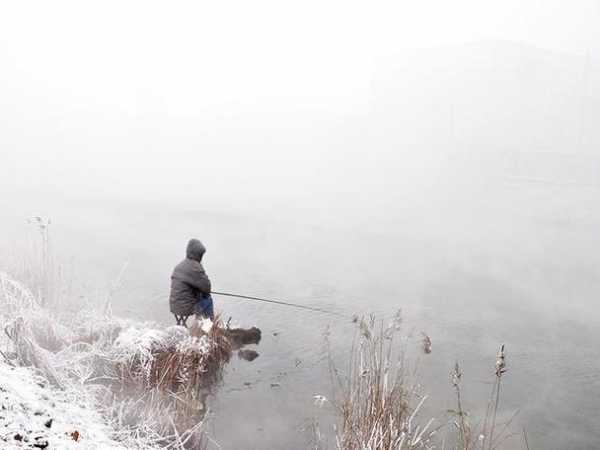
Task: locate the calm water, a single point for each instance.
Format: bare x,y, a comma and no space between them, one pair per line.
529,281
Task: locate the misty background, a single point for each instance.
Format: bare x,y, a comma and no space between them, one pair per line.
439,157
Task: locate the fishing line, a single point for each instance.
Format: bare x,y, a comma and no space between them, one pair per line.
279,302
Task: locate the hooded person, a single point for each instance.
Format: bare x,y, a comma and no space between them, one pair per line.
190,286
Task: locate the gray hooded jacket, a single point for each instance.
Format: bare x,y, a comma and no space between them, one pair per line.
189,280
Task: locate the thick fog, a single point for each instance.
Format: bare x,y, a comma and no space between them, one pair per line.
355,104
466,125
442,157
435,119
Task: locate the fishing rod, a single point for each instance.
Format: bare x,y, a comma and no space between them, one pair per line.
279,302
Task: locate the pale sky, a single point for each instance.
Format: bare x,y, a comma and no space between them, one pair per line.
190,56
86,86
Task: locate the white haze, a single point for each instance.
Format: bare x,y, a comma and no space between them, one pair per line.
465,125
439,156
469,126
305,104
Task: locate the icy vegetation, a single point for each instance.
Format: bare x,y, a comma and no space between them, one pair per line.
101,381
38,415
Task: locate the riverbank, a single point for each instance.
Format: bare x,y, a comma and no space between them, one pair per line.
94,380
37,415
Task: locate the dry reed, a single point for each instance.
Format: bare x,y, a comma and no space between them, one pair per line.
377,404
377,401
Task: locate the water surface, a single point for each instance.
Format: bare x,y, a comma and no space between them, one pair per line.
507,274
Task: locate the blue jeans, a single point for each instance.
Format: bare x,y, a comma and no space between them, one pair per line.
204,307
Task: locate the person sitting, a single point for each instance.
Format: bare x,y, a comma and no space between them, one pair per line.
190,286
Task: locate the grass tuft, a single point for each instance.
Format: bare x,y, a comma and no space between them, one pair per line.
377,404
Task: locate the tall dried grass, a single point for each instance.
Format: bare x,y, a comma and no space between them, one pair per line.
377,403
484,435
378,400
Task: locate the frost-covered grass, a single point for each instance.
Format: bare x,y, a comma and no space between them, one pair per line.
147,383
34,412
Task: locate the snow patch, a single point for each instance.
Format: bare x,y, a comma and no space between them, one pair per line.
33,414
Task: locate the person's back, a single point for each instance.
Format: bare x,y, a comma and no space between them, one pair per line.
189,282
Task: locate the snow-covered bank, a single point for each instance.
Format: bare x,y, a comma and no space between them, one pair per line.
35,414
103,381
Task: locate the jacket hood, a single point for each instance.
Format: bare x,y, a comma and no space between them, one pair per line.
195,250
